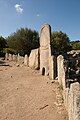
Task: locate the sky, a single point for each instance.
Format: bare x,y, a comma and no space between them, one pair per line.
62,15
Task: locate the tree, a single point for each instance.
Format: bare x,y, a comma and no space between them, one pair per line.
23,41
60,43
75,45
3,44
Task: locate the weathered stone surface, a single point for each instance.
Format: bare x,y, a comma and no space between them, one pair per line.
26,60
15,58
51,67
20,59
61,70
45,51
63,75
10,57
77,106
34,59
6,56
74,102
66,97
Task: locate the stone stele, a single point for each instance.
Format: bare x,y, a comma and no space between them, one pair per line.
45,50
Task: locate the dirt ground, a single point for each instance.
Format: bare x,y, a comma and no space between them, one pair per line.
26,95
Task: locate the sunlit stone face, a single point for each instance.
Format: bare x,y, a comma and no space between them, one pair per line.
45,51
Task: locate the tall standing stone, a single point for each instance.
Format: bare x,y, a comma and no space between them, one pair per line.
45,51
61,71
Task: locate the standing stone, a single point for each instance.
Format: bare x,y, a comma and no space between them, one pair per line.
74,102
66,97
61,71
6,56
34,59
63,74
18,58
21,60
59,61
45,51
77,106
51,67
10,57
15,58
26,60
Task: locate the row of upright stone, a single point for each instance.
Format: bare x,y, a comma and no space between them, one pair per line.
70,85
17,59
65,69
41,58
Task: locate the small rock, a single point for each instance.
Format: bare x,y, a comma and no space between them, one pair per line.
5,68
56,78
11,76
17,88
52,81
21,65
17,65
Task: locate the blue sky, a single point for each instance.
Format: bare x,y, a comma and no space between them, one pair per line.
62,15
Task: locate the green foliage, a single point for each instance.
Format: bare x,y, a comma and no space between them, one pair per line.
60,43
9,50
3,44
75,45
23,41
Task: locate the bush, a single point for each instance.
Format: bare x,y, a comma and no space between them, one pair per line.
9,50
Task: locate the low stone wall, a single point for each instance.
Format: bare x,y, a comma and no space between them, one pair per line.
71,91
72,101
16,58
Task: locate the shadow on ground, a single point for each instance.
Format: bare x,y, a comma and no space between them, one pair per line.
3,63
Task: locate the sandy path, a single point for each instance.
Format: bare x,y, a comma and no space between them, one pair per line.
26,95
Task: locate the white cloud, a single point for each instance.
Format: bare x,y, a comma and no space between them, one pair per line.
18,8
38,15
